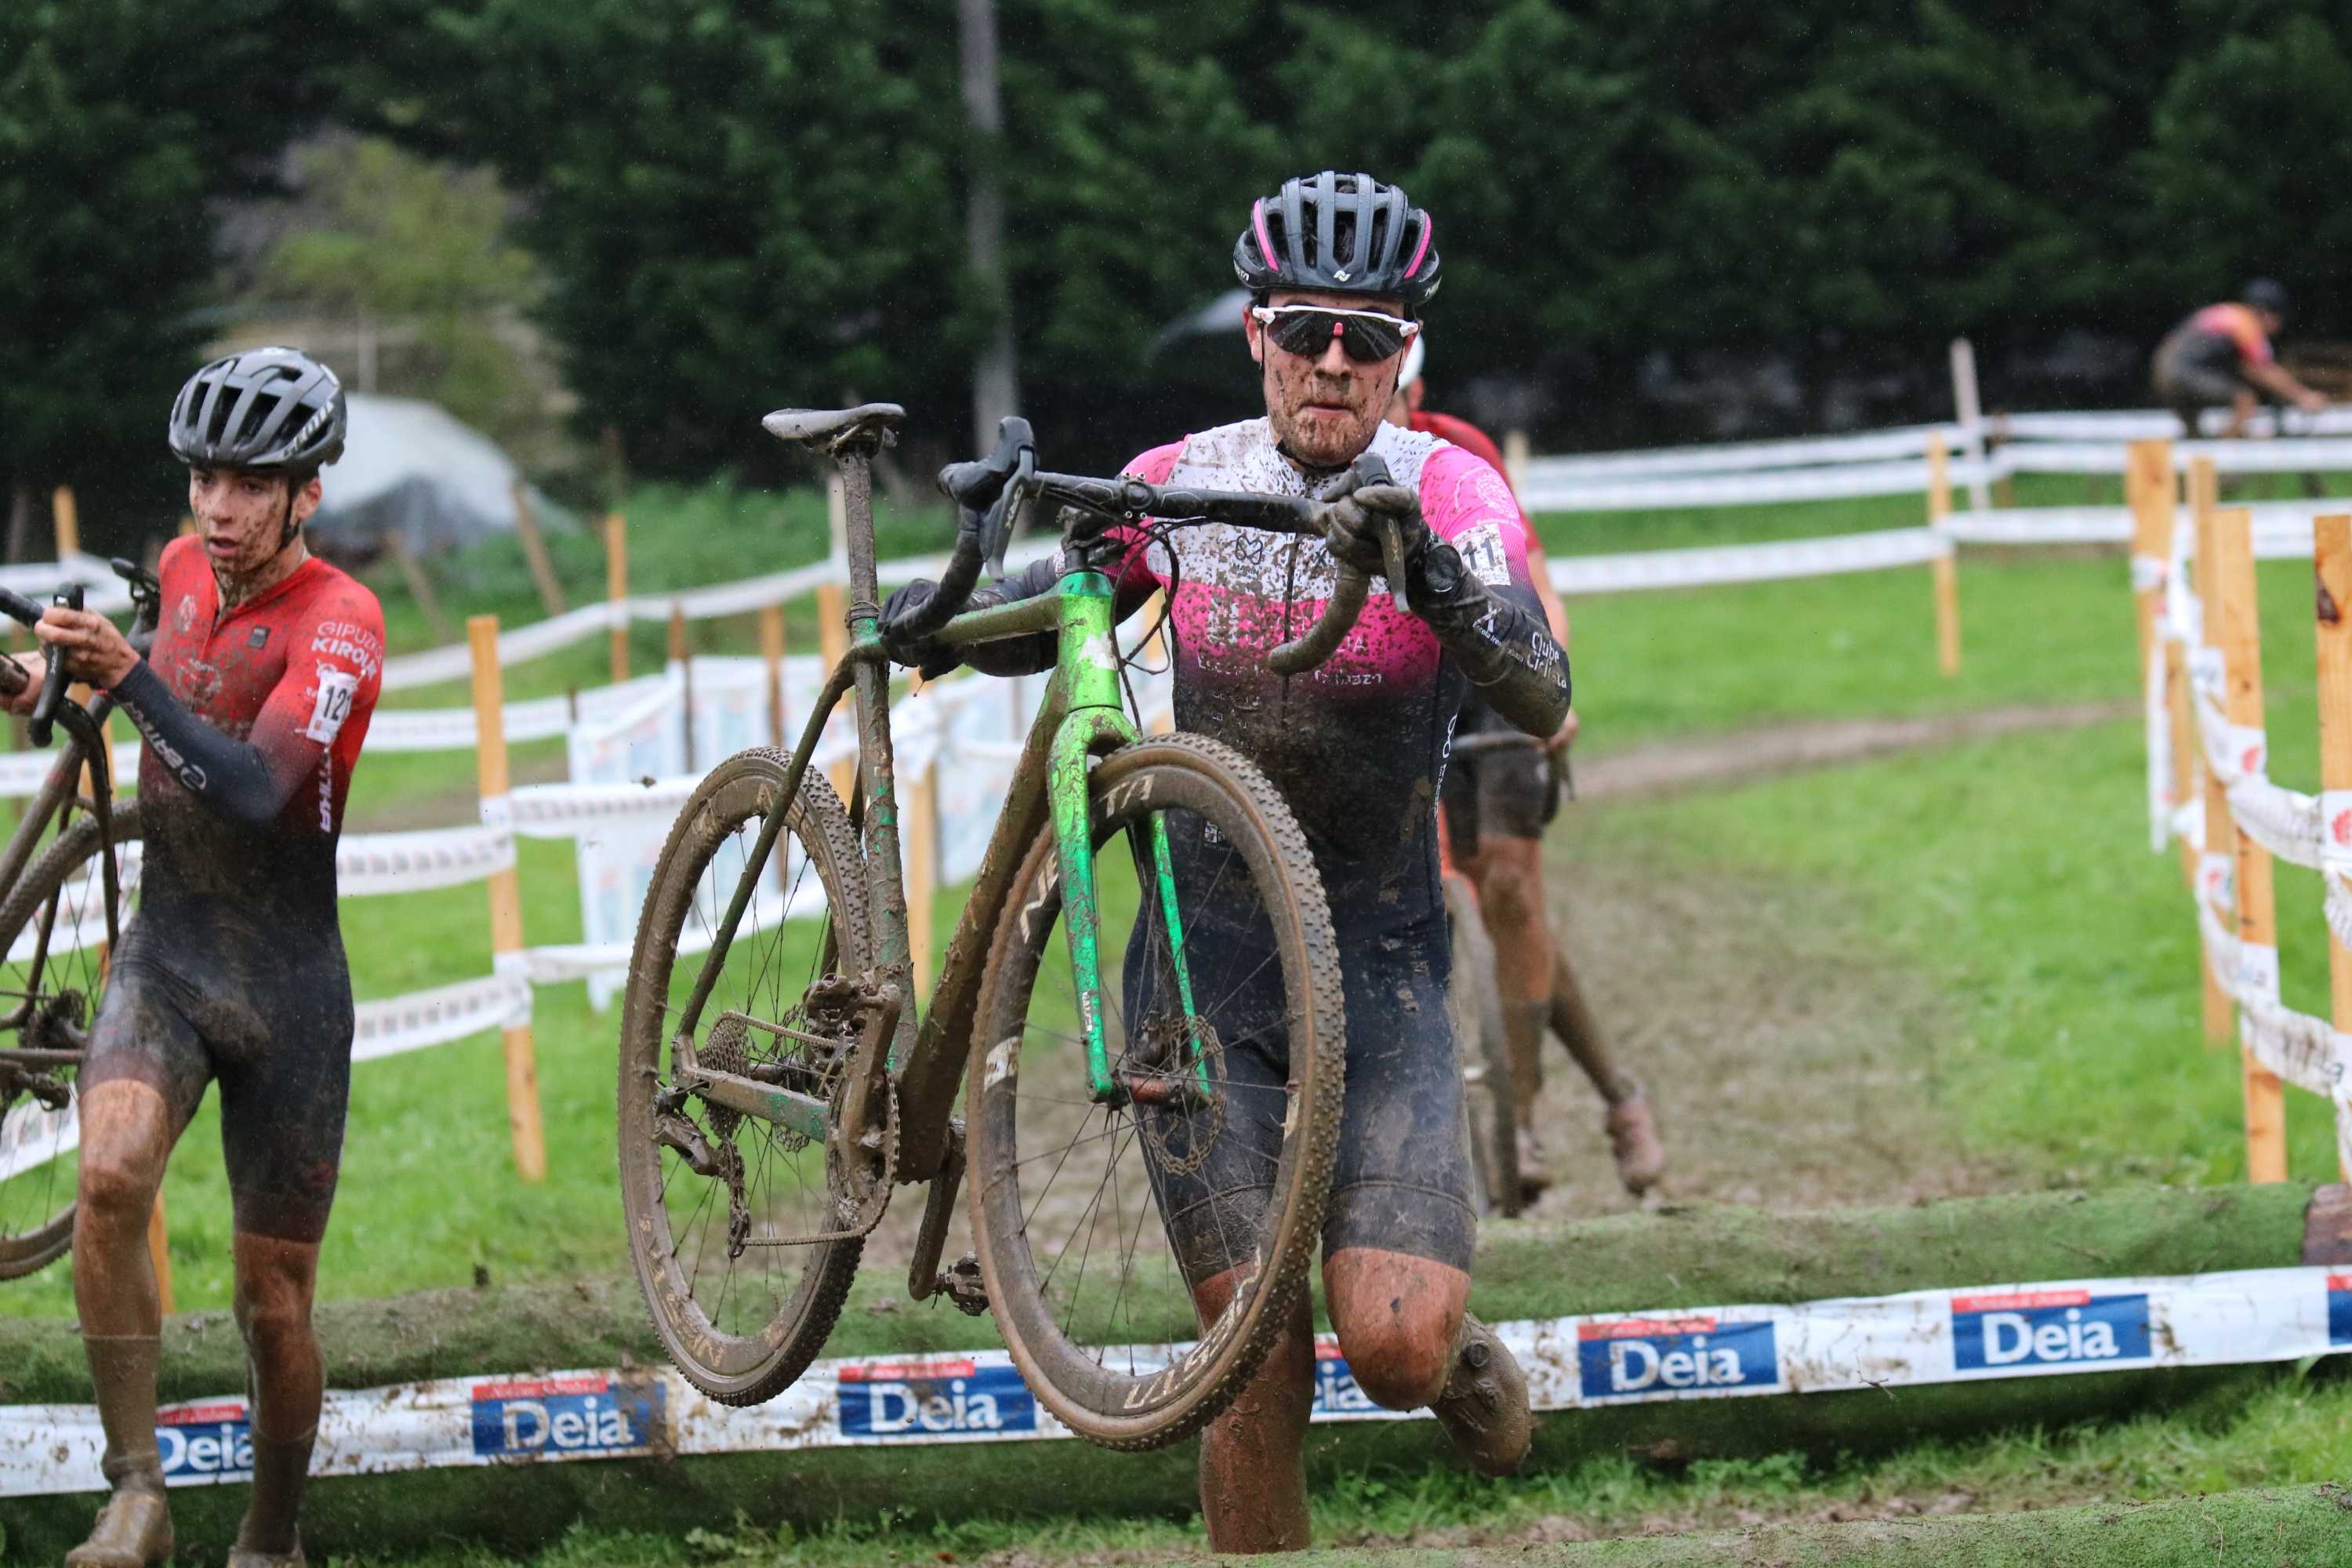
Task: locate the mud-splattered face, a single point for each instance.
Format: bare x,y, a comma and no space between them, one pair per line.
239,516
1325,409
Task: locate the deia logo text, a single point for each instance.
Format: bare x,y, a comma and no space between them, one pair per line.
205,1440
553,1417
2028,1329
919,1400
2339,1308
1659,1357
1335,1393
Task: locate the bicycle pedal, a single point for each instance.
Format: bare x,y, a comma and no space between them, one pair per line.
962,1285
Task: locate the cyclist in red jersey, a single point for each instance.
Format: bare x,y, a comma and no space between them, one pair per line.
1496,806
254,702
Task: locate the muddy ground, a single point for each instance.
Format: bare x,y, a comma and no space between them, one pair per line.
1783,1072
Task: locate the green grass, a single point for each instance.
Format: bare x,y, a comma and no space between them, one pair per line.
2299,1431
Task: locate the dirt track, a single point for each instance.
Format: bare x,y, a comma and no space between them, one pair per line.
1783,1073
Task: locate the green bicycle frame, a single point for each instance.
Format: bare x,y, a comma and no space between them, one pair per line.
1082,716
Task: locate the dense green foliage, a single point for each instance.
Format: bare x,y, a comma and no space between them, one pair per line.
119,121
742,203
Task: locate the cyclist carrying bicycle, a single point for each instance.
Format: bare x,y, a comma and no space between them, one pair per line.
1338,267
1498,804
252,703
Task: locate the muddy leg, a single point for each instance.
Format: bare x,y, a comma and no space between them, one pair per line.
275,1281
1511,897
1254,1456
126,1139
1398,1316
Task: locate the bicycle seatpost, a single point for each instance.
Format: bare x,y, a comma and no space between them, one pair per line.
53,685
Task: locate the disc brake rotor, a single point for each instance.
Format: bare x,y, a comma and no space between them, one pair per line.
1181,1138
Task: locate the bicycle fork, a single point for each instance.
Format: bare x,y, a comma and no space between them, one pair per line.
1099,723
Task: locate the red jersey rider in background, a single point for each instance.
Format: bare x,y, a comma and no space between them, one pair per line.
253,702
1496,804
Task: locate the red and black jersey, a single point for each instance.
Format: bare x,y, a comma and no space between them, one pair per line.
253,718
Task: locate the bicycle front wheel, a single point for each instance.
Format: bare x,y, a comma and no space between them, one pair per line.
714,1197
1227,1120
52,975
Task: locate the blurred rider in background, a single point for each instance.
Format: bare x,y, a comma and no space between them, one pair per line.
1498,804
2221,357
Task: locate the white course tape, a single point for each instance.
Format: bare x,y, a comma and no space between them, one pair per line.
444,1013
22,774
1745,562
1755,488
1981,1333
1741,457
367,864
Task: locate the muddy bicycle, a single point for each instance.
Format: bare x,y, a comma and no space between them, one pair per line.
778,1080
62,913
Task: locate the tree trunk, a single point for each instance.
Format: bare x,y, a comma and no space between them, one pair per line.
995,384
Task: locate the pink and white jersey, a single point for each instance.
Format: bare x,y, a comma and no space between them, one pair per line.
1357,746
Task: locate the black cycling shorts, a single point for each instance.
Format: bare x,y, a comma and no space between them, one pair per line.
268,1014
2195,370
1511,792
1402,1182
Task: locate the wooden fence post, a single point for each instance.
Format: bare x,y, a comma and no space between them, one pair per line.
2148,491
617,589
2332,565
1515,459
2215,871
771,652
2186,748
68,520
420,586
2233,628
535,551
682,657
1946,566
921,835
832,613
506,895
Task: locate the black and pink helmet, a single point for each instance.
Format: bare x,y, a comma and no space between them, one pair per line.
267,411
1347,234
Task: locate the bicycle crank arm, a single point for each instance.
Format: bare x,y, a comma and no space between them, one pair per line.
800,1113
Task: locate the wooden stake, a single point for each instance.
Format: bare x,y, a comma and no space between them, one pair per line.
2148,489
2186,748
771,652
504,894
2332,565
1946,567
681,658
535,551
2204,493
1515,459
2233,628
68,520
187,527
420,586
922,841
159,1253
616,587
833,641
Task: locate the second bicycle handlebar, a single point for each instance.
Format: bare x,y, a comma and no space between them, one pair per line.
1009,476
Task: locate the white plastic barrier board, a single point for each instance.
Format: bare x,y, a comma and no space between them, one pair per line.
2044,1329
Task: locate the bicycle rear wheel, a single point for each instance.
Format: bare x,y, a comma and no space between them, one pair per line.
1083,1277
709,1192
52,975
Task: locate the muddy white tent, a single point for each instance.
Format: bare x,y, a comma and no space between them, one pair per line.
412,467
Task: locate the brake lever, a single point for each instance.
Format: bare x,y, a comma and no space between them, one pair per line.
53,686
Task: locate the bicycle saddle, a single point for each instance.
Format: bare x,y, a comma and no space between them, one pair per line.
867,424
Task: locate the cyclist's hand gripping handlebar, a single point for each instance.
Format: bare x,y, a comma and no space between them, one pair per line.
53,684
1349,587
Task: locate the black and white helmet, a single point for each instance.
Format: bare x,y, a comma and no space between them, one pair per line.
1346,234
271,411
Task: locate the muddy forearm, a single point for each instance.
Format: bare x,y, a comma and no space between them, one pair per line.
1502,645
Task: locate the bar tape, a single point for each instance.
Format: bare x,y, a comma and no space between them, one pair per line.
1923,1337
